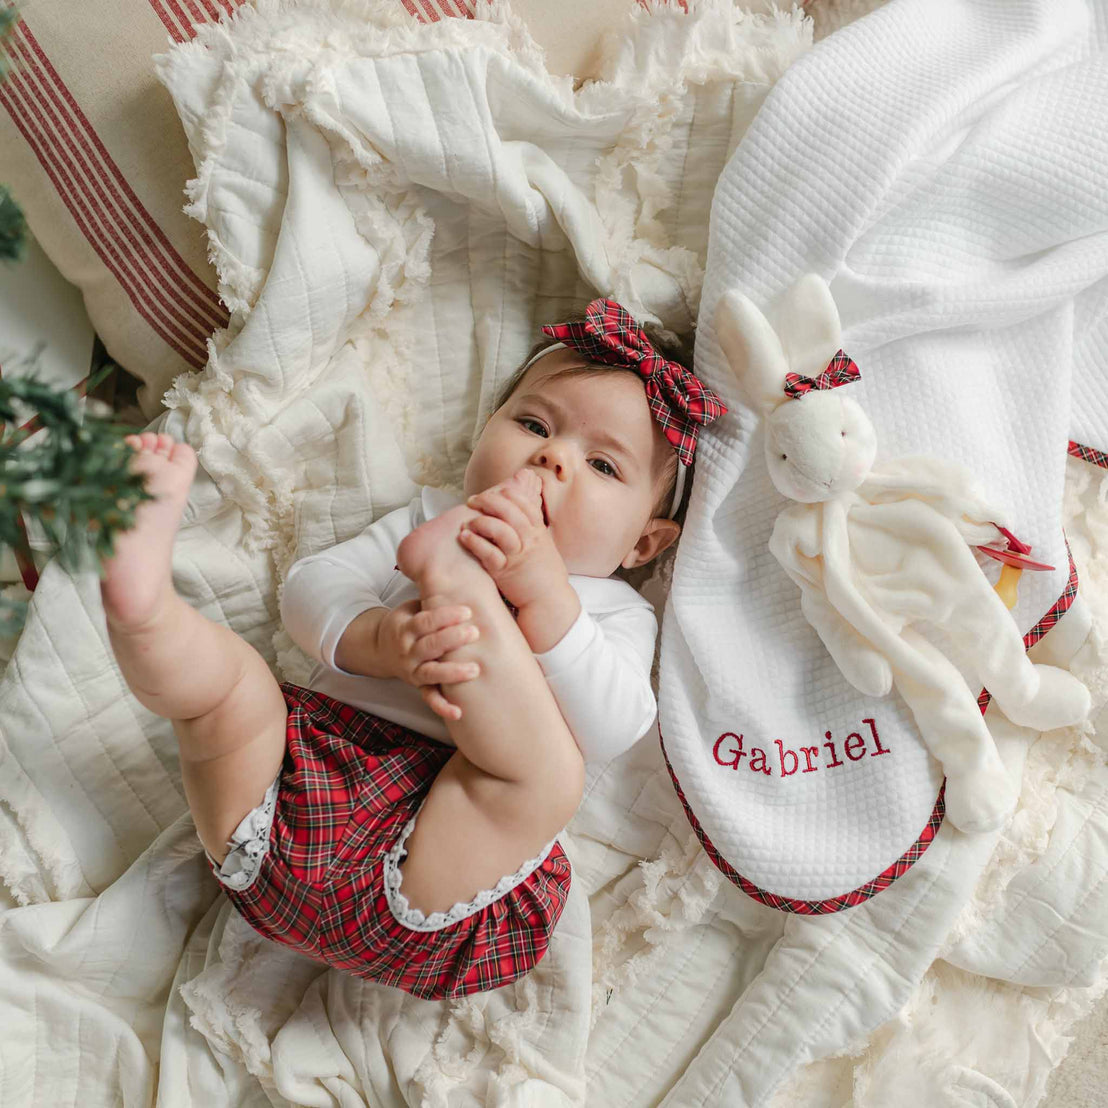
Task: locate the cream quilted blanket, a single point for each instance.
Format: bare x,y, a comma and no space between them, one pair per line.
392,208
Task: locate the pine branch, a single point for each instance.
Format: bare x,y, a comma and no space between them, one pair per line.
13,228
9,17
74,481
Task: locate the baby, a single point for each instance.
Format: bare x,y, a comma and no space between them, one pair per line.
397,818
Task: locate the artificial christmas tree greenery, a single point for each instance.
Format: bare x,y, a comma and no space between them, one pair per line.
12,228
73,481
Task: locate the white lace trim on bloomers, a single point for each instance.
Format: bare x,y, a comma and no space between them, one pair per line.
249,844
414,919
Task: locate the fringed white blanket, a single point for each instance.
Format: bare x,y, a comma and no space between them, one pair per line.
392,209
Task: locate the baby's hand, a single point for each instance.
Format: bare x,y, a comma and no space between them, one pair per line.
415,640
511,539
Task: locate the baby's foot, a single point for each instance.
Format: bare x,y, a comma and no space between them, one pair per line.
140,572
431,554
432,549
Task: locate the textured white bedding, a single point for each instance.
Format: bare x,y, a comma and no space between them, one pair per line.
327,152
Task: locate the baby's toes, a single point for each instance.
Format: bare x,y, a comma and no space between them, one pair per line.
180,453
528,482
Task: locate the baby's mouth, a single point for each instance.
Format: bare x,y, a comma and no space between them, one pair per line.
542,498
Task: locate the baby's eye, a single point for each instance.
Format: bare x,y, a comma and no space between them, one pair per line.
598,462
529,424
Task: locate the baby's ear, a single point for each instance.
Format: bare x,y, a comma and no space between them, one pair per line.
658,535
811,333
752,349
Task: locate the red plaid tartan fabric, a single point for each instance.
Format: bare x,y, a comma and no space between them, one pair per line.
349,784
840,371
679,401
1088,454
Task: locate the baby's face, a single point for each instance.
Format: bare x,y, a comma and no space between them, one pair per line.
596,448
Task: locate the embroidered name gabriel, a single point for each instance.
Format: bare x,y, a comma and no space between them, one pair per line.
729,751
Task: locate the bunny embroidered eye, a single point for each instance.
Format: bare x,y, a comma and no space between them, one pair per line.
784,457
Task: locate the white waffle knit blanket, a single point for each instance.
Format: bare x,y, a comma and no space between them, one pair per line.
942,164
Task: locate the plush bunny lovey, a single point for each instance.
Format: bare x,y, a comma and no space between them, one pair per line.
875,549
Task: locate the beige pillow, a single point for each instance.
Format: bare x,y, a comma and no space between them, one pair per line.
92,150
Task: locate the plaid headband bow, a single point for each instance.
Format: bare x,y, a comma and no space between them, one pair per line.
840,371
678,400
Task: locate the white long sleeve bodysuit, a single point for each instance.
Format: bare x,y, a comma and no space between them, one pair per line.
599,671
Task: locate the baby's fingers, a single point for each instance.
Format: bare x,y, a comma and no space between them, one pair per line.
435,619
428,647
503,502
445,673
491,557
438,703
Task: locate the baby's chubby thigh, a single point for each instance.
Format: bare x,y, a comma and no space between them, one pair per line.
473,830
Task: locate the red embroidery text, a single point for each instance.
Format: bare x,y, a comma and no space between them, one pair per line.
730,751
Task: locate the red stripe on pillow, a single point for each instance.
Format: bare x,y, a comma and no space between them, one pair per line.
175,32
173,10
433,12
196,318
190,14
181,16
199,306
181,334
11,96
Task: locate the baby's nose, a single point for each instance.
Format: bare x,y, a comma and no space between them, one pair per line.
550,457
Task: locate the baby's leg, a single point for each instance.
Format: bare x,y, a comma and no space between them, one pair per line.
518,775
227,709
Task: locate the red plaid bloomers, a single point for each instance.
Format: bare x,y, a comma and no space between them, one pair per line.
347,797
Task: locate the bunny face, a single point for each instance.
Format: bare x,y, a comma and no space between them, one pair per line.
819,446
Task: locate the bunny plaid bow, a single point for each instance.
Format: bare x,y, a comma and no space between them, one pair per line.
678,400
840,371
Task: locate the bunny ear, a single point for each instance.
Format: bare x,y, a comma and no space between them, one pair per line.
752,349
809,323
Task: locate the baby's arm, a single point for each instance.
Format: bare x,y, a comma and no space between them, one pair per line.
325,594
331,606
599,673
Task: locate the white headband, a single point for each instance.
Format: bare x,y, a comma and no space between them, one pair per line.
678,488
